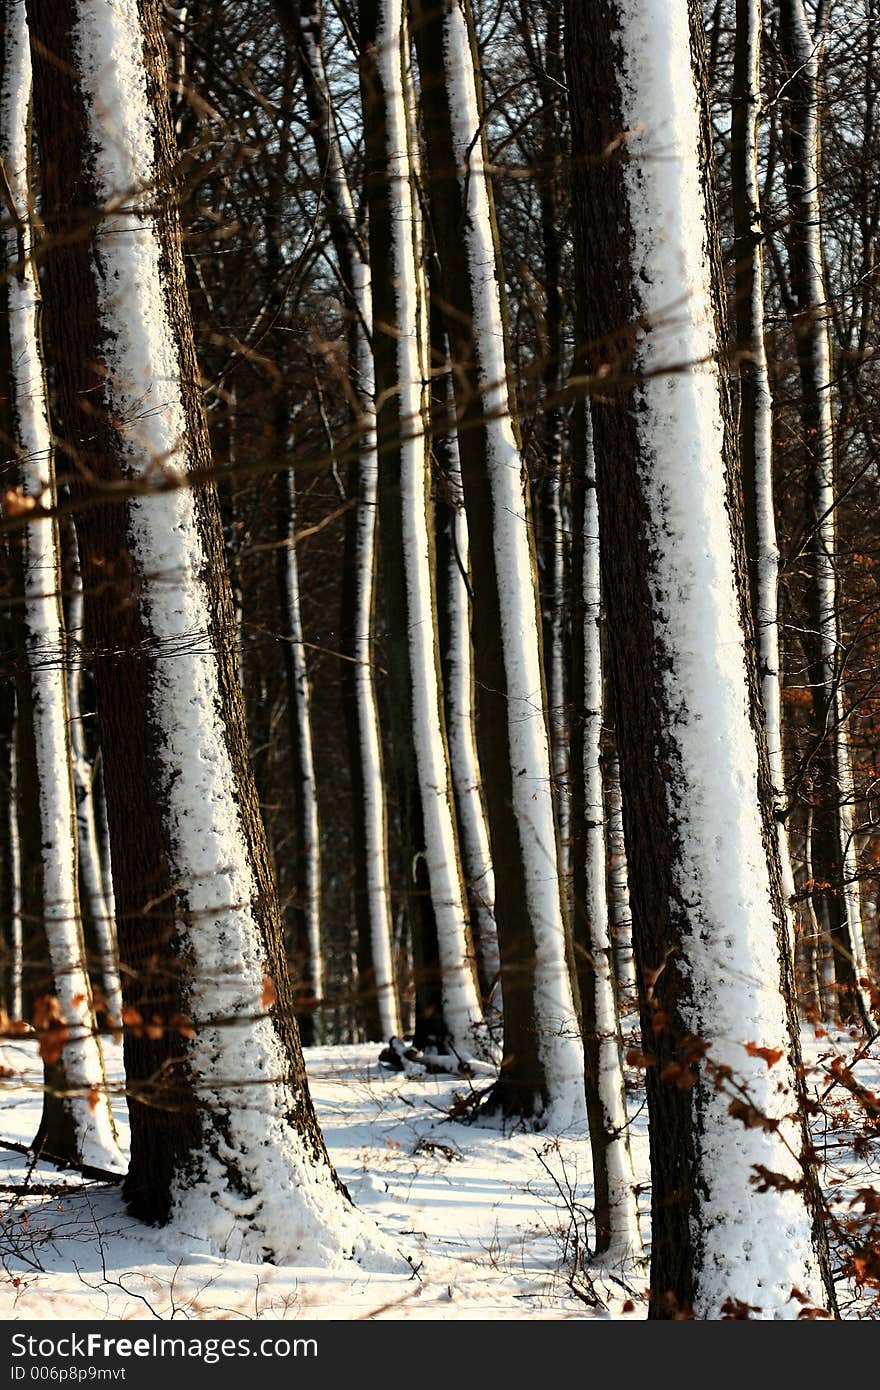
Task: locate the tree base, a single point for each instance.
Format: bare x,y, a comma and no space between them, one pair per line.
520,1104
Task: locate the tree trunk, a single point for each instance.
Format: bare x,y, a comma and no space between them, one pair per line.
542,1068
615,1205
756,408
103,830
712,948
302,23
77,1122
307,848
618,891
10,921
307,910
406,529
835,865
224,1138
553,594
16,964
97,910
457,660
554,625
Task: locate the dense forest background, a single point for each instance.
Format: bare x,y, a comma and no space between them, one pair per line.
271,326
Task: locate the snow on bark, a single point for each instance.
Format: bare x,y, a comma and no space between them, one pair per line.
89,855
748,1248
555,650
617,1223
821,962
458,667
283,1200
560,1045
307,22
461,1005
299,692
81,1059
618,892
803,49
16,962
373,810
454,627
756,412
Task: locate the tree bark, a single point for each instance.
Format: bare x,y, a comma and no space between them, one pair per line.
399,331
307,847
712,949
542,1067
618,891
756,408
10,921
307,910
549,76
77,1122
98,914
615,1204
835,865
224,1137
302,23
457,661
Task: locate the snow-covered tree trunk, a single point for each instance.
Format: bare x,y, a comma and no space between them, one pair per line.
376,969
615,1204
10,924
834,841
438,906
820,987
552,580
77,1122
618,890
308,841
756,405
303,24
13,900
457,661
542,1070
97,910
540,29
554,636
719,1020
224,1139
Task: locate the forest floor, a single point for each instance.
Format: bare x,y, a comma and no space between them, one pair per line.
494,1223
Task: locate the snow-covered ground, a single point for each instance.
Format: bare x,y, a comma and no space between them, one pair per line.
492,1223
